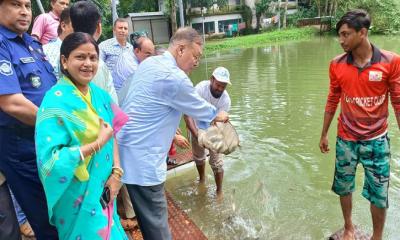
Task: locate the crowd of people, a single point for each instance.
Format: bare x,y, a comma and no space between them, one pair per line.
82,123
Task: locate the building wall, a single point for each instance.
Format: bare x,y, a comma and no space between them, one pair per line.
215,19
156,27
161,6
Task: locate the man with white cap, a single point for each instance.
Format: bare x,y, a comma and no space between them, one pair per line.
213,91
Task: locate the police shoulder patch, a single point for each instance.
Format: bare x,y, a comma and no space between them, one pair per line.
5,68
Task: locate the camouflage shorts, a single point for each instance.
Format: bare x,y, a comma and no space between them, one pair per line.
199,156
374,155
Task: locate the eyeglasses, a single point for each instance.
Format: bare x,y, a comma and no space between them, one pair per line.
196,56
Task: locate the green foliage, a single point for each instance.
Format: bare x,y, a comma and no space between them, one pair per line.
135,6
106,18
301,13
247,16
261,7
247,31
260,39
221,3
36,10
106,33
384,14
201,3
167,7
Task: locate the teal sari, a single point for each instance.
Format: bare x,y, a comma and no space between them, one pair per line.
67,120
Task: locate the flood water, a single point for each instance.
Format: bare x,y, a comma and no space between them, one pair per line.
277,186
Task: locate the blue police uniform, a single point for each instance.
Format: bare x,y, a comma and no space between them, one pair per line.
25,70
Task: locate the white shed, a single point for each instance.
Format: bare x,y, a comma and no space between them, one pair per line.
156,24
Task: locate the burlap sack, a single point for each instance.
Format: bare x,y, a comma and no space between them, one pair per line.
220,138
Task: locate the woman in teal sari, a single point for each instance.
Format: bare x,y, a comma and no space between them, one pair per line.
77,154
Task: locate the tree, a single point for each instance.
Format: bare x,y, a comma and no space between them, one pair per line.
221,3
384,13
318,4
201,3
261,8
247,16
135,6
285,14
174,25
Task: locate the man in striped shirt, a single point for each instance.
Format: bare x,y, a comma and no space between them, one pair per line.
362,79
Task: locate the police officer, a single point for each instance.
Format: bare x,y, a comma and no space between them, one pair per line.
25,76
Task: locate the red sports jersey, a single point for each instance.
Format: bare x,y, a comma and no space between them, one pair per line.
363,94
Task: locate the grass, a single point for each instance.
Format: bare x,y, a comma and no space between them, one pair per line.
260,39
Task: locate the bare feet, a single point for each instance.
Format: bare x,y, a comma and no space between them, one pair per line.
202,180
128,224
202,189
376,238
220,196
348,233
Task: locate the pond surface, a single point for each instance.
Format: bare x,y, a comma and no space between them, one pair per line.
277,186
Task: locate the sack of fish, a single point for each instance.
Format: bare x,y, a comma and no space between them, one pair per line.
220,138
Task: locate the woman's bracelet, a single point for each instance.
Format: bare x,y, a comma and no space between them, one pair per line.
116,177
82,157
118,171
93,149
98,144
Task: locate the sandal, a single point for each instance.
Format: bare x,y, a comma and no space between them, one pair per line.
26,230
128,224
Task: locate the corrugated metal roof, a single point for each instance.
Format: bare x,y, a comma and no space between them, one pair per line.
146,14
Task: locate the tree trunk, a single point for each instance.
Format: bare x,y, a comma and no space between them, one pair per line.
258,19
331,7
326,7
285,14
318,3
335,6
173,16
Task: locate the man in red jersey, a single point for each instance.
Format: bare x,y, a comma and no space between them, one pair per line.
362,79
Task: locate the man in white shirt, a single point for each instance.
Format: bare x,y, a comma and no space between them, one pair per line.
213,91
158,95
111,49
128,62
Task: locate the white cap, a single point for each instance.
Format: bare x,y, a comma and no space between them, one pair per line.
221,74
